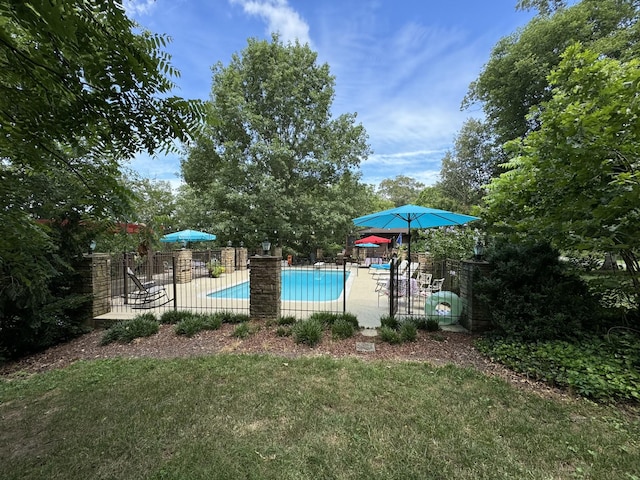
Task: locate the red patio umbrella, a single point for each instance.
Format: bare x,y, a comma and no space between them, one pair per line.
372,239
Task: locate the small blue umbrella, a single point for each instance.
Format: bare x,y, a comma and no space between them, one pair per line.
412,216
188,236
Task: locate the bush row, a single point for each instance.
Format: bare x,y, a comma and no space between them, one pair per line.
186,323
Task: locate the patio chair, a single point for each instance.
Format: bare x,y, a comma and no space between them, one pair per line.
147,295
424,281
435,286
384,274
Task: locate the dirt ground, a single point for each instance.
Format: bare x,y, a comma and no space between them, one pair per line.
437,348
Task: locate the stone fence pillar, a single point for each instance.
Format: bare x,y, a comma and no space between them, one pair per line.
228,259
426,262
242,255
265,287
183,265
95,280
478,318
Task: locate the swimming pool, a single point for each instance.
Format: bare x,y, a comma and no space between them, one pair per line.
297,285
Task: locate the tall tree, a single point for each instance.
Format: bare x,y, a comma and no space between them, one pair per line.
435,197
79,93
576,180
544,7
400,190
515,77
471,165
275,163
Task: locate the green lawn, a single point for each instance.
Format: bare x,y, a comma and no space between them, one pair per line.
261,417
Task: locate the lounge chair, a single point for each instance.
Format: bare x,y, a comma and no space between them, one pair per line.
382,274
147,295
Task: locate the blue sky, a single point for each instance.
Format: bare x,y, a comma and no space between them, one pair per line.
403,66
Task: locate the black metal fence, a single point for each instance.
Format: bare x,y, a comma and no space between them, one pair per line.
160,282
313,288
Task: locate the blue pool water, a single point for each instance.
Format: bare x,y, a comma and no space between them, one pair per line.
303,285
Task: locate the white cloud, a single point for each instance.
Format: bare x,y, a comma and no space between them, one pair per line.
280,18
138,7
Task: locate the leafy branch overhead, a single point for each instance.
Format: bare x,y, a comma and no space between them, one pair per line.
74,74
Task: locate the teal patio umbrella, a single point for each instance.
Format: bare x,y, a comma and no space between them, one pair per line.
188,236
412,216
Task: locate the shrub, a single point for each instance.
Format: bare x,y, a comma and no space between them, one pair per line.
351,319
390,322
190,325
211,322
419,322
389,335
288,320
325,318
172,317
342,328
126,330
283,331
533,296
214,268
307,331
432,325
242,331
408,332
232,317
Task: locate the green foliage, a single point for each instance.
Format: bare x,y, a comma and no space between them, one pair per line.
189,326
328,319
287,320
214,268
432,325
408,332
342,328
211,321
389,322
38,306
455,243
389,335
171,317
516,76
324,318
573,181
469,167
283,331
80,90
126,331
600,368
401,190
308,331
232,317
196,322
275,143
435,197
350,318
242,330
533,296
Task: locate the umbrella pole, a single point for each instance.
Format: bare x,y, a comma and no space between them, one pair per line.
409,270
